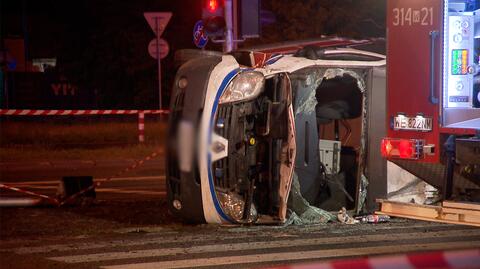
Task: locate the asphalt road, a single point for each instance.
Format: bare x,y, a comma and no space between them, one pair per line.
129,227
44,177
236,247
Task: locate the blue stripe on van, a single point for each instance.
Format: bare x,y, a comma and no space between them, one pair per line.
220,91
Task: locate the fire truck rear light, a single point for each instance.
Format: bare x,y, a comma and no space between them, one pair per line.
402,148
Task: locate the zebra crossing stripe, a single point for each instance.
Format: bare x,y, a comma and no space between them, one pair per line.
195,238
295,256
123,243
159,252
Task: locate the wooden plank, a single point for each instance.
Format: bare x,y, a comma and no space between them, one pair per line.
428,213
461,218
451,210
427,219
410,209
403,203
462,205
471,219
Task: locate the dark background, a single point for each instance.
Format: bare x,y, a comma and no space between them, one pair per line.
101,45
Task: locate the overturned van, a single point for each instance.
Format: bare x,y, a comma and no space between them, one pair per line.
241,129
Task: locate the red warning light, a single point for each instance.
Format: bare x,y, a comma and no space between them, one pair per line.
386,147
406,149
402,148
213,17
212,5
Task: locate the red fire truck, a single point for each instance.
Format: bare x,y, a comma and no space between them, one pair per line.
433,98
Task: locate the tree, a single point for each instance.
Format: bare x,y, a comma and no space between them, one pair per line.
301,19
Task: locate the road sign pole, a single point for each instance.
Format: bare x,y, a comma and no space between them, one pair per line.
228,45
158,21
159,66
235,23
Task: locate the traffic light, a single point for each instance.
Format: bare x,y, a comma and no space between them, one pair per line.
213,18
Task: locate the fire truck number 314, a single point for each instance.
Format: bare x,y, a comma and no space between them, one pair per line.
409,17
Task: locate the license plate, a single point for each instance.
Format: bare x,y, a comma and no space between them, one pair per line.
421,124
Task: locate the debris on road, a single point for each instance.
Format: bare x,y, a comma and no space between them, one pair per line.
343,217
373,218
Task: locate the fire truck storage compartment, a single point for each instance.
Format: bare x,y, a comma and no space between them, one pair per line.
328,106
461,54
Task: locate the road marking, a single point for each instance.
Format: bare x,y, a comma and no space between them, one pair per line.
35,187
108,190
40,185
40,182
113,190
155,178
158,252
297,255
195,238
123,243
47,182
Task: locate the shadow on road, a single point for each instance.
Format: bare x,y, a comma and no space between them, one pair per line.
101,217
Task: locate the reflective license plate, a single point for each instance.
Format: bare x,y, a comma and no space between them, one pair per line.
418,123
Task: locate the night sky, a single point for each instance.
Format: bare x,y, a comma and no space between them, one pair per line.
101,45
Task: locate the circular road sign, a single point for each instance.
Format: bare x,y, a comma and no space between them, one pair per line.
163,47
200,39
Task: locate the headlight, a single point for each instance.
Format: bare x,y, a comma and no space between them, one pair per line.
245,86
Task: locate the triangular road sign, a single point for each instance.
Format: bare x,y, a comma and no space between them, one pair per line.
160,18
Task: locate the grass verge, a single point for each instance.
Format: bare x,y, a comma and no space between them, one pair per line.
55,135
26,154
50,140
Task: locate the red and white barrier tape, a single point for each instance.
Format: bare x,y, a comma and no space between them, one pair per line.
439,259
48,198
41,112
98,183
141,127
94,185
